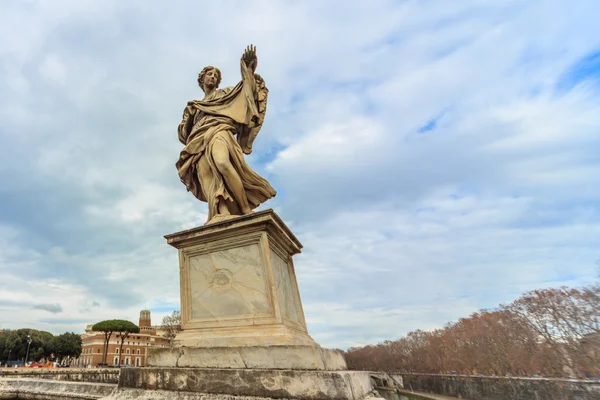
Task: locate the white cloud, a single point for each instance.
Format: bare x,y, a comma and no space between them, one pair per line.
53,69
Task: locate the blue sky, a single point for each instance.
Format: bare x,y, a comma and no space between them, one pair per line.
434,157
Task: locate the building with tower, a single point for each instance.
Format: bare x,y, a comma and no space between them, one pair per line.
135,347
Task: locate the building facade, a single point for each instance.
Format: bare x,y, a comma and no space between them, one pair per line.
135,346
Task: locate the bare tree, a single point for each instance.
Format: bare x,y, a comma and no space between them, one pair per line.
567,319
172,325
550,332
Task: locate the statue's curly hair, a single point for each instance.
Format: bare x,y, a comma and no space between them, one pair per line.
203,73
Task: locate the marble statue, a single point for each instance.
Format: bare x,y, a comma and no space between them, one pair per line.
217,131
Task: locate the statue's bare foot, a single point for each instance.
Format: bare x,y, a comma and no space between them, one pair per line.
247,211
223,209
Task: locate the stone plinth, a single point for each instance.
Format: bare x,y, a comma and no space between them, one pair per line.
172,383
244,332
258,357
238,285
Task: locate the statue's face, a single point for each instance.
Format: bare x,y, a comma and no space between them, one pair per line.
210,79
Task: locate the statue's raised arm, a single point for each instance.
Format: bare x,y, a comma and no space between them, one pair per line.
216,132
250,58
257,90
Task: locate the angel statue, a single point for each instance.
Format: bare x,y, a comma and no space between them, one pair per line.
216,131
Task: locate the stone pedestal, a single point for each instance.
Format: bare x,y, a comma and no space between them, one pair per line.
238,286
244,332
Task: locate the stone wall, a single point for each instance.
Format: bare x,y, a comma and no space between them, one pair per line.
45,389
106,375
473,387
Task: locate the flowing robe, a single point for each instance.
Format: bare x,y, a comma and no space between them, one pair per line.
220,117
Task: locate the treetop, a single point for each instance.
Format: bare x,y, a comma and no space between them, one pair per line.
116,325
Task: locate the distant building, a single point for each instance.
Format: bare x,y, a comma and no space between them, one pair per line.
135,347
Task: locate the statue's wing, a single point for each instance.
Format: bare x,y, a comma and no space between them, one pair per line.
246,139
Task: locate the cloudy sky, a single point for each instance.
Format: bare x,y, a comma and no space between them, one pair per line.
435,157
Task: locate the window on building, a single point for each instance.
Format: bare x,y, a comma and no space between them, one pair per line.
137,362
116,361
127,351
117,350
138,351
127,361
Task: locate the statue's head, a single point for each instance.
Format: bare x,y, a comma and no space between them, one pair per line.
212,73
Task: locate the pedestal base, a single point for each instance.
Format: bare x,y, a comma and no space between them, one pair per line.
255,357
243,327
243,336
200,383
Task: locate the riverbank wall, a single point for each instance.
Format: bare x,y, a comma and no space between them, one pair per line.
104,375
476,387
46,389
57,384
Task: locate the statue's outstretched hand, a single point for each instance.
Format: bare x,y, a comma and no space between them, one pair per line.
250,58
